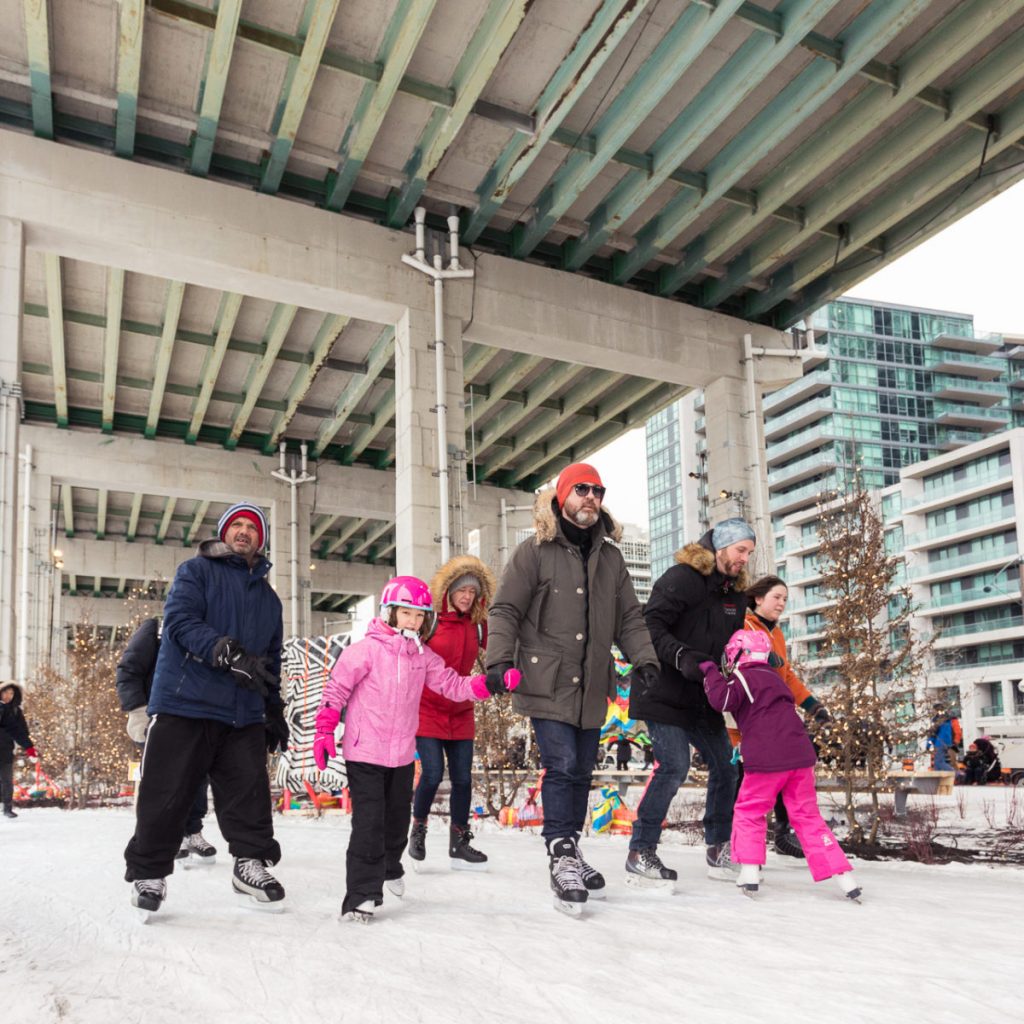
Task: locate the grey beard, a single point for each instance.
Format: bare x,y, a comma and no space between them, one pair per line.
583,518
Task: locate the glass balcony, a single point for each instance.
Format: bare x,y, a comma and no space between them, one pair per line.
805,495
956,414
979,343
809,412
948,488
800,390
957,389
972,558
965,364
950,440
968,628
962,597
699,425
801,468
975,522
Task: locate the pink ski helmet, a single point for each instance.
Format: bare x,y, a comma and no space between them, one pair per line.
408,592
748,647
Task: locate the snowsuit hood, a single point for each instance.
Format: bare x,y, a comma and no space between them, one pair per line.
700,555
458,566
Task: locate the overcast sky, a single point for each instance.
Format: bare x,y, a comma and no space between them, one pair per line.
972,267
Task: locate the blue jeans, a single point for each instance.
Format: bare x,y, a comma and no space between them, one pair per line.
672,752
460,767
567,755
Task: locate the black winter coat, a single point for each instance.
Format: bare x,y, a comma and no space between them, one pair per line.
13,727
692,611
134,674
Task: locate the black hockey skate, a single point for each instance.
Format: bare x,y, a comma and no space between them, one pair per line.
196,852
462,856
148,894
418,840
593,880
787,844
252,880
566,878
720,865
644,870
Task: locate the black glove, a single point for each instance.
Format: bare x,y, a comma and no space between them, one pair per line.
277,729
687,662
645,679
496,678
250,671
774,661
821,715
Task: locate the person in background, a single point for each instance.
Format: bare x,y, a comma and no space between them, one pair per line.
133,679
13,731
461,592
768,597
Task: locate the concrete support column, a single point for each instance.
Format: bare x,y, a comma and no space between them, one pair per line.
12,270
295,602
417,501
733,464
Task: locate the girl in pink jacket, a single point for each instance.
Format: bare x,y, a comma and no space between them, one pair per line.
380,680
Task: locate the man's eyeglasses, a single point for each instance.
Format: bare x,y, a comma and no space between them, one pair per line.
582,490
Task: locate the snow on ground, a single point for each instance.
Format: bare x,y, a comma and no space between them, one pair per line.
929,943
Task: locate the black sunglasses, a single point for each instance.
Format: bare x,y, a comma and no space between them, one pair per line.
582,490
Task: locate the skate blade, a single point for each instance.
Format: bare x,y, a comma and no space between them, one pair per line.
567,908
854,895
597,894
188,863
666,885
398,891
749,891
143,915
456,864
722,874
356,917
263,906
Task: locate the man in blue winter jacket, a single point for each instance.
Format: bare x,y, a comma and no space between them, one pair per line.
215,709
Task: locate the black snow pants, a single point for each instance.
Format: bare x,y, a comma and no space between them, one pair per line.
179,753
381,809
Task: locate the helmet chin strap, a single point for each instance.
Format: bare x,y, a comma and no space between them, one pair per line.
412,634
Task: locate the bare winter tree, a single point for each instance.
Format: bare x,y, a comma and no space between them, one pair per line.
881,662
77,722
501,745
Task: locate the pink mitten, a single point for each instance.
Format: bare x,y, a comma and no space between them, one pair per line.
479,687
324,749
707,666
512,678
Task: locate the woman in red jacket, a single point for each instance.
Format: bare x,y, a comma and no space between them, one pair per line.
462,590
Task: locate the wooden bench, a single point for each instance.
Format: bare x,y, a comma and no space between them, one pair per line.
904,784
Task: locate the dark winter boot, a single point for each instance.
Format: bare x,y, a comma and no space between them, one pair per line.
251,878
418,840
463,856
9,813
786,843
566,880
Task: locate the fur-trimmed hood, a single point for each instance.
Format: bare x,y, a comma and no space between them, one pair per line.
450,572
16,700
700,555
545,519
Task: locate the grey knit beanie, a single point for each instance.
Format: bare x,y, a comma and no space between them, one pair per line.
466,580
732,531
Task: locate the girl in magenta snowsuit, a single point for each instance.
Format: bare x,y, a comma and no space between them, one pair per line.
778,757
380,680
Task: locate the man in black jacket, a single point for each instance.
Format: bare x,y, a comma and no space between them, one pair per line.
695,606
13,730
134,680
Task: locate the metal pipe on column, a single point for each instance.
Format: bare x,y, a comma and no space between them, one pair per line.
294,477
26,550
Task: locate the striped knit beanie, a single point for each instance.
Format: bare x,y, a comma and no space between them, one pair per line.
247,510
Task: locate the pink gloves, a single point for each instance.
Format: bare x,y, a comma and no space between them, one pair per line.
495,682
324,747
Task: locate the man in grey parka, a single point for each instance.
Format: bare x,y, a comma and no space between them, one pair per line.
564,598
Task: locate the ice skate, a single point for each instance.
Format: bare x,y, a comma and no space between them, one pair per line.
395,886
9,813
363,914
720,865
418,842
566,879
749,879
593,880
252,880
787,844
148,894
848,886
644,870
462,856
196,852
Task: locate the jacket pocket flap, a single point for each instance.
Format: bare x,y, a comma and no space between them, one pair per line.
540,672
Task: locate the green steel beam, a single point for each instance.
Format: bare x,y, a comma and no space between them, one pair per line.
215,79
329,547
175,297
121,584
332,325
931,179
379,556
112,344
581,448
69,509
380,418
133,518
509,420
914,136
97,589
322,525
55,314
862,40
503,381
400,40
72,583
198,518
370,537
227,314
474,359
277,330
690,36
1002,172
744,72
101,514
542,424
593,47
625,393
295,92
130,19
490,40
37,35
355,391
165,520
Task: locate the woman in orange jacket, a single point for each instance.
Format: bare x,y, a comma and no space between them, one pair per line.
768,601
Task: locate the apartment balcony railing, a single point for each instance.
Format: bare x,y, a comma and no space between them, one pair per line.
802,495
963,597
966,364
942,530
809,412
959,415
967,389
970,628
939,491
809,384
971,558
812,464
